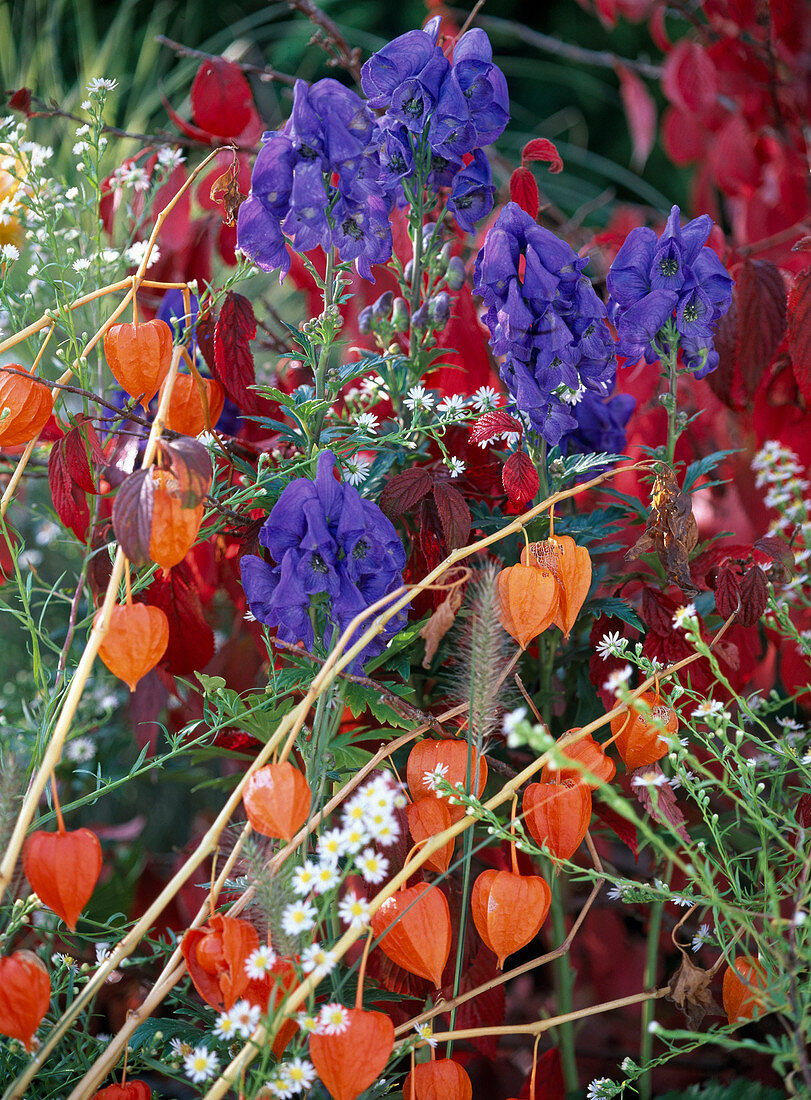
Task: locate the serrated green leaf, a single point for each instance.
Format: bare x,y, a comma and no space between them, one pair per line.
616,607
703,466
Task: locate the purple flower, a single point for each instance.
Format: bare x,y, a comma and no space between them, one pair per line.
331,549
654,279
473,105
472,190
601,424
545,317
405,77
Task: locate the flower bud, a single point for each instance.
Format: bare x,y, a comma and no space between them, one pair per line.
427,233
400,316
365,321
439,309
408,271
419,322
455,275
382,307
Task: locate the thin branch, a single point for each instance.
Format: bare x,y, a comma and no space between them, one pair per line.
329,37
265,73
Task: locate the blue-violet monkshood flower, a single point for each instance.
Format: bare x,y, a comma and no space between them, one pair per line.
325,541
672,277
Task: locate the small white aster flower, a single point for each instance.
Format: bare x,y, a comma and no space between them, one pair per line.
609,644
99,83
649,779
303,880
260,962
354,910
169,157
419,398
298,1073
367,423
102,952
372,865
601,1088
298,917
82,264
485,399
200,1065
80,750
708,707
333,1019
225,1028
432,779
682,616
316,959
456,466
307,1022
426,1033
701,937
356,469
135,254
617,679
331,844
178,1047
245,1017
452,407
9,253
615,893
512,719
327,876
79,147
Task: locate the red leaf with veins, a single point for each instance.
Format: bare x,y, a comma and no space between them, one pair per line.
520,479
799,332
690,80
524,191
760,296
659,801
404,490
640,110
754,596
493,424
544,150
221,99
191,640
454,514
132,515
727,590
233,358
69,499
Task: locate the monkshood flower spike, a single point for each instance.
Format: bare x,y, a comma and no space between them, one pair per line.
331,549
672,278
545,319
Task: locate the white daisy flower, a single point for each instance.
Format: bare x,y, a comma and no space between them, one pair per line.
419,398
327,876
617,679
245,1017
702,936
99,83
298,1073
308,1023
356,469
260,962
485,399
682,616
200,1065
452,407
331,844
426,1033
432,779
333,1019
355,836
372,865
298,917
456,466
354,910
225,1028
609,644
367,423
316,959
303,880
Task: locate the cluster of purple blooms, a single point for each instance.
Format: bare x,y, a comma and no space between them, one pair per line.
324,539
332,174
546,320
674,276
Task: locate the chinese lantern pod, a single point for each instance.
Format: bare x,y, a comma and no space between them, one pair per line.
574,577
440,1079
63,869
174,528
508,910
427,817
558,814
25,995
638,732
215,957
587,752
277,800
25,405
139,355
136,641
415,926
348,1063
132,1090
186,413
450,755
529,601
740,989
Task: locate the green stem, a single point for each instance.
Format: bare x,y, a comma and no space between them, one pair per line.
541,466
564,983
648,1007
673,430
323,358
416,268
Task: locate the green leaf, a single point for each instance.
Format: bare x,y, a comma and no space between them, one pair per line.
359,698
144,1034
613,605
703,466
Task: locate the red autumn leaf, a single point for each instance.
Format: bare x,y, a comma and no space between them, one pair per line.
221,98
779,553
69,500
454,514
618,824
191,640
186,128
727,590
233,358
725,381
524,191
191,466
204,332
544,150
640,111
77,442
493,424
799,332
20,100
404,490
656,796
520,479
132,515
690,80
549,1082
754,596
760,298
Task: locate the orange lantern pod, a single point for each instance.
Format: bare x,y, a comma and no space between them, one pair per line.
25,405
440,1079
135,642
447,753
25,996
529,597
215,957
174,528
63,869
139,355
508,910
637,732
131,1090
586,751
427,817
558,814
186,413
414,929
739,993
277,800
349,1062
571,565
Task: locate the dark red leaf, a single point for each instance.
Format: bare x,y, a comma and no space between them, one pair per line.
404,490
204,331
725,381
754,596
69,500
190,463
493,424
549,1080
799,332
524,191
221,99
520,479
640,111
779,553
727,590
191,640
233,358
487,1009
802,811
690,80
544,150
659,801
77,442
132,515
760,296
618,824
454,514
21,100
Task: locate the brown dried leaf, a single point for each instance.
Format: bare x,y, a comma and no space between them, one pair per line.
658,798
225,190
671,531
690,992
440,623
